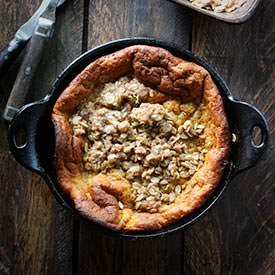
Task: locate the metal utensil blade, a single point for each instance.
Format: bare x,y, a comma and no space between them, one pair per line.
39,28
46,20
60,2
25,32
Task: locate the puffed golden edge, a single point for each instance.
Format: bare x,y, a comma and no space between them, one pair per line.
161,70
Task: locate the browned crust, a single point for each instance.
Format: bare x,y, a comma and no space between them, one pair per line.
157,68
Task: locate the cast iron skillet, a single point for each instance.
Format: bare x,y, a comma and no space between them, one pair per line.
36,150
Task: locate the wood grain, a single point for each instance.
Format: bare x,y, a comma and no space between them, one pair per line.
37,236
12,15
237,236
36,233
111,20
163,20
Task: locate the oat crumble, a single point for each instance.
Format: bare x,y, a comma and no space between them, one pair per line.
156,146
218,5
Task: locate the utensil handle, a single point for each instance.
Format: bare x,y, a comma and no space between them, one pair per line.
25,76
248,117
8,55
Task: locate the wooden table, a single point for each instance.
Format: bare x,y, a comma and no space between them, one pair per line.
38,236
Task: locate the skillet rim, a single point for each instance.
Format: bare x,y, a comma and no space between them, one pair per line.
70,72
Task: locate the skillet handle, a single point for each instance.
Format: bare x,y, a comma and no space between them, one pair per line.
247,118
22,137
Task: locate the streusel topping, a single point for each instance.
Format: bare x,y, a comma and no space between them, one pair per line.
154,141
219,5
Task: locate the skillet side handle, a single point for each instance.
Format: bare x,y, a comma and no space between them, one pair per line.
22,137
247,118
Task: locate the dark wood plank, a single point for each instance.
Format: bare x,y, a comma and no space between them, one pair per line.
36,233
157,256
12,15
109,20
237,236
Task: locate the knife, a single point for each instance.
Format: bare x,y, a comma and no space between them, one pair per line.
42,33
22,36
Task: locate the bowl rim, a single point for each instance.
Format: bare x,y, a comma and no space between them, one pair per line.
220,16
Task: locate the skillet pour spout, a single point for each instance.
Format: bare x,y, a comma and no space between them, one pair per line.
32,139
